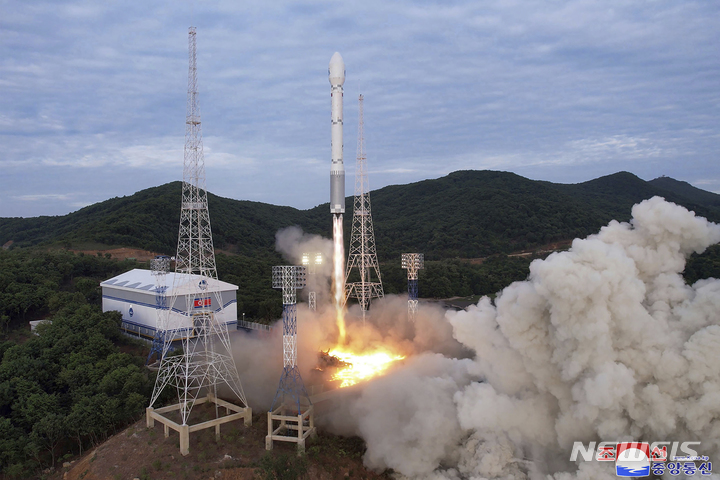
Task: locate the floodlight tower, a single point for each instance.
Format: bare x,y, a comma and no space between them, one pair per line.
206,361
159,267
311,262
412,262
362,254
286,407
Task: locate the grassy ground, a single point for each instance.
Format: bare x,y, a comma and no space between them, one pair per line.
144,453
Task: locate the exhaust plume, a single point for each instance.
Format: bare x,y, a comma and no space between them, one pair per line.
258,355
604,342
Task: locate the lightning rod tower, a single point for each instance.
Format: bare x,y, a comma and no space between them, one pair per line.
362,254
195,314
287,406
412,262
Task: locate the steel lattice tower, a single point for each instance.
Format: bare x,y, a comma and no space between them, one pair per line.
286,407
206,361
289,279
412,262
362,254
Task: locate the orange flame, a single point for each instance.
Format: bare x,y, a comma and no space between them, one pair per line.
362,366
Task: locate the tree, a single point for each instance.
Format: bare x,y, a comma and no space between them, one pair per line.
47,432
4,322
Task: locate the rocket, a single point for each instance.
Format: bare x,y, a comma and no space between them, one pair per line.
336,73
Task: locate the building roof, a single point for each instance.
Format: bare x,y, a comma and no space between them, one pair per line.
177,283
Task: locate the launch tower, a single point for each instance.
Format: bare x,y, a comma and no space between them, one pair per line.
287,408
362,254
206,361
412,262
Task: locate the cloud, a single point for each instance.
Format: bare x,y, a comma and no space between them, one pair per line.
528,89
46,196
638,148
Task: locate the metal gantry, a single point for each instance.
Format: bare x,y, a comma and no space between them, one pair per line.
311,262
287,407
412,262
362,254
206,362
290,279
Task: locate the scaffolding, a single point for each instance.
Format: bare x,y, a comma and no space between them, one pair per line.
291,410
362,254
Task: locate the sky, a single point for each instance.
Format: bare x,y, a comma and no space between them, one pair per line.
93,94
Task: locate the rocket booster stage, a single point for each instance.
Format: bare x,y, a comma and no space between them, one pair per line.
336,72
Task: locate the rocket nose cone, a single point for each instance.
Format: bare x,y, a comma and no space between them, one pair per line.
336,70
337,58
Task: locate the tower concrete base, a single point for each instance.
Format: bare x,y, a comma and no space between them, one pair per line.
152,414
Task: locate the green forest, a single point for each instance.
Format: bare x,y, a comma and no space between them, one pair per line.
467,214
79,380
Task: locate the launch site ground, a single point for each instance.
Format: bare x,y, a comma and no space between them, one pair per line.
139,452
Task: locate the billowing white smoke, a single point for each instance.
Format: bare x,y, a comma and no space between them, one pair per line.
292,243
602,342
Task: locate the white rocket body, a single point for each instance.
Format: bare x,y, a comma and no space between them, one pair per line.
336,73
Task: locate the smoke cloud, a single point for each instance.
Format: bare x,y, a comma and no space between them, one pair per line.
292,243
603,342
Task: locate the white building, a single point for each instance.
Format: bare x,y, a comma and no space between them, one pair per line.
135,295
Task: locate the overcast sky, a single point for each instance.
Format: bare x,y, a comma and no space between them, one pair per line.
93,94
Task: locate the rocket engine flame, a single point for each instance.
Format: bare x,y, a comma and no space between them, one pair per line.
362,366
338,283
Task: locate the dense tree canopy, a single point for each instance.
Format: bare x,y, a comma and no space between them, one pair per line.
467,214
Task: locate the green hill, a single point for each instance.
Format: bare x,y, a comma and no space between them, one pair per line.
466,214
686,190
470,214
611,196
149,220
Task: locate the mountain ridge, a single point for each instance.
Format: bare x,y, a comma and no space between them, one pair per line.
686,190
465,214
